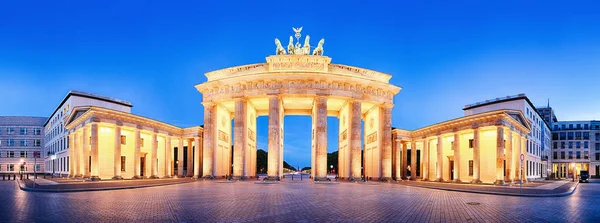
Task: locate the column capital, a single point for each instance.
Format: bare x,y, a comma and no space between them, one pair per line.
208,104
242,98
119,123
139,127
387,105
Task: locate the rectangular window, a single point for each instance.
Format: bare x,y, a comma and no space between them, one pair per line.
578,126
586,145
563,136
562,145
10,131
597,136
123,163
586,136
570,126
597,156
10,142
452,145
23,154
23,131
570,155
586,155
570,145
586,126
470,167
23,142
470,143
37,143
141,142
11,167
37,131
555,155
597,146
555,145
562,155
570,135
578,155
578,135
577,145
555,136
38,167
555,128
123,140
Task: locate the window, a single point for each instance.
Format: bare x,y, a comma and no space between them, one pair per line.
562,145
23,142
555,128
570,145
123,163
570,155
38,167
37,131
563,136
586,126
578,135
123,140
23,154
597,146
586,136
11,167
470,143
577,145
37,143
570,126
10,142
570,135
555,145
452,145
470,167
554,136
555,155
597,156
11,154
578,126
586,155
141,142
586,145
578,155
10,131
562,155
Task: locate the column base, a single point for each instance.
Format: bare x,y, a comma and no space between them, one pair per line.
457,181
499,182
117,178
321,179
476,181
78,176
168,177
154,177
196,177
86,176
413,178
137,177
439,180
424,179
209,177
95,178
508,181
386,179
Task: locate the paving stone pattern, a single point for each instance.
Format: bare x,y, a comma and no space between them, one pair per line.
208,201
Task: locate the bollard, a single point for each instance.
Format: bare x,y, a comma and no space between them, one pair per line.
14,176
292,176
28,176
300,177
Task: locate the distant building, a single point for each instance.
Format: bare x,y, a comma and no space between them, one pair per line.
547,115
575,146
56,144
20,138
536,162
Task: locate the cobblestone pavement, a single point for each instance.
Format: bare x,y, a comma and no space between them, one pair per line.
530,188
297,201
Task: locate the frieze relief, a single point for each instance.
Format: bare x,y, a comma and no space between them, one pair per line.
298,66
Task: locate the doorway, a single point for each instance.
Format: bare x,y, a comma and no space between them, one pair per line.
451,165
142,165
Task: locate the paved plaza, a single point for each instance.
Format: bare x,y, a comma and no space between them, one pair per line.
292,201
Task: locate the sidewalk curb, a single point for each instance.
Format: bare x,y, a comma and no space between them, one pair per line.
568,193
28,189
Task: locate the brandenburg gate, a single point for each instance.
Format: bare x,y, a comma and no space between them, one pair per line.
297,80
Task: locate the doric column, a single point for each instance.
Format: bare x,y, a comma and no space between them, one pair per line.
168,155
274,137
413,160
180,158
240,134
78,153
117,153
321,138
476,157
208,149
154,163
524,152
85,148
137,152
94,151
517,161
71,140
425,154
190,159
457,159
398,163
499,155
509,157
386,142
404,160
440,159
196,157
355,139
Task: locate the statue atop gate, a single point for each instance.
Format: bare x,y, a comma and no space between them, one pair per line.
297,48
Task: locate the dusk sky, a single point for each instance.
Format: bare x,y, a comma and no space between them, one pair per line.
443,55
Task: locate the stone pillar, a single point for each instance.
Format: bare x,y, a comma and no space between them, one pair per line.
274,137
386,142
425,154
94,151
154,163
78,154
404,161
457,159
499,155
197,157
321,138
413,160
517,161
85,147
190,159
509,158
524,152
71,139
180,158
168,155
397,161
137,153
208,150
355,140
440,159
240,140
476,157
117,153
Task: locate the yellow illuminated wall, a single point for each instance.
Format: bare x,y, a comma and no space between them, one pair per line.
372,143
223,143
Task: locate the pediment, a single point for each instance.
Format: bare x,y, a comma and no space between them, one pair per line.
75,114
518,116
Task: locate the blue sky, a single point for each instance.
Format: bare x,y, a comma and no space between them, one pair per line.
443,54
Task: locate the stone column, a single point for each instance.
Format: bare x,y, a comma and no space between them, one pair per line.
509,158
240,134
457,159
208,149
168,155
476,157
425,154
274,137
404,161
517,161
71,139
355,140
180,158
85,147
78,154
398,163
524,152
196,157
117,153
190,159
499,155
440,159
94,151
154,163
137,152
386,142
321,138
413,160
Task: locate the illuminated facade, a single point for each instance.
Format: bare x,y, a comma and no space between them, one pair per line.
575,147
20,138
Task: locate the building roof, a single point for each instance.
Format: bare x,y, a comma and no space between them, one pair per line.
22,121
91,96
521,96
